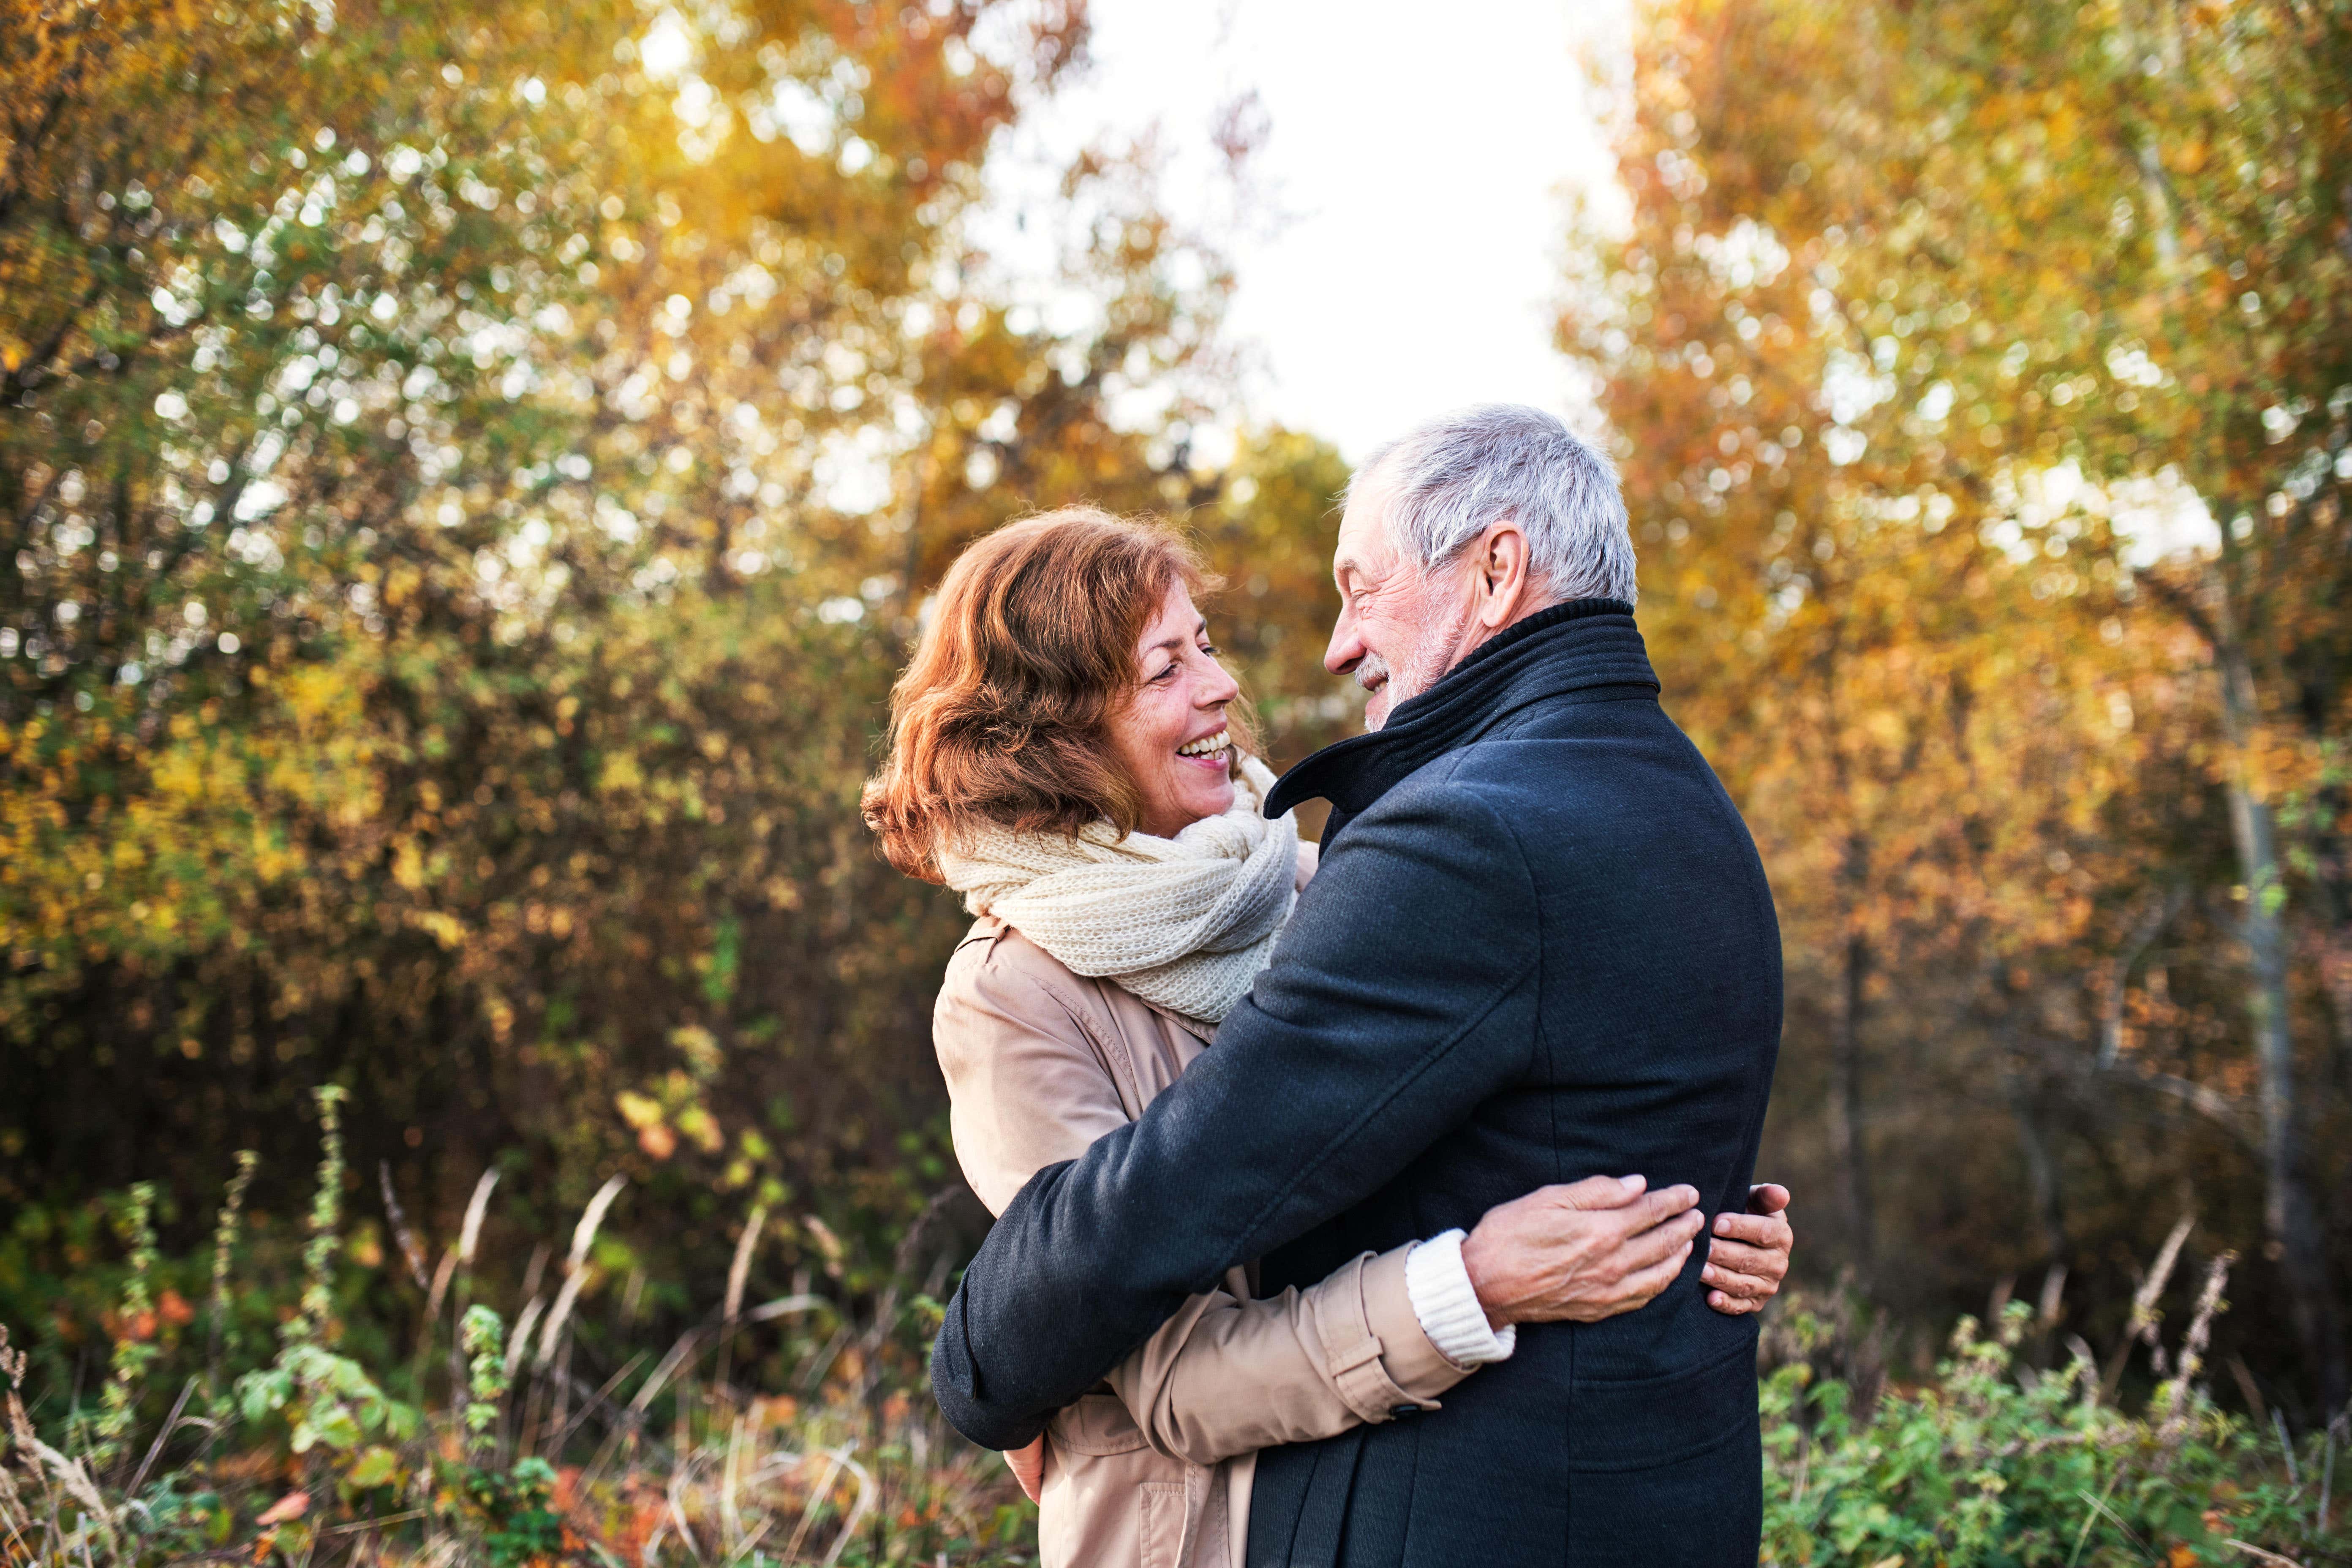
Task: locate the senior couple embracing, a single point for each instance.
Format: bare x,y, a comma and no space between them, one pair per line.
1348,1198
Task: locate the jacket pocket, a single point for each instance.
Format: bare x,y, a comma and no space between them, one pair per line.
1640,1424
1163,1523
1097,1424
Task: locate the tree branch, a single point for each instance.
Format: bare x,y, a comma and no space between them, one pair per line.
2144,933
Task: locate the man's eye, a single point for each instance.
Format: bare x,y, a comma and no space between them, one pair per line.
1210,649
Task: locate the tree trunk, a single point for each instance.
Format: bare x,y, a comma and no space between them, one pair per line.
2040,1166
2331,944
2335,973
2290,1217
1846,1110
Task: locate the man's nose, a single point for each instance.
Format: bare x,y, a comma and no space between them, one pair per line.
1345,649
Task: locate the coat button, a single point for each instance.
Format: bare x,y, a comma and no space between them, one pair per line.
1405,1410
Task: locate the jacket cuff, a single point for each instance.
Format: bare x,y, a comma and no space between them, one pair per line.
1420,1369
1372,1347
1438,1284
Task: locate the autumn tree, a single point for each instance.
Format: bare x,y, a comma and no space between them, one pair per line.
1923,321
470,474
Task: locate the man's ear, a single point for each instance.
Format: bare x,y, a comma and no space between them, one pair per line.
1503,574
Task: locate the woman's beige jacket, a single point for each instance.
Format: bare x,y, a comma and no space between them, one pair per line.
1153,1470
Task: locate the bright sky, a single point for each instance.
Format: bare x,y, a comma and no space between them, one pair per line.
1411,216
1410,200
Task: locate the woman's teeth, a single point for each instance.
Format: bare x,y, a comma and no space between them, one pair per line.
1206,746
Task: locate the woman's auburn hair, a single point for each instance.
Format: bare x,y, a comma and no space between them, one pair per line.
1002,717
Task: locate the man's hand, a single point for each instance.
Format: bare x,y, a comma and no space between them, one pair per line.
1584,1251
1749,1254
1028,1467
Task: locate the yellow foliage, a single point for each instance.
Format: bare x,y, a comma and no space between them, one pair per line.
1923,318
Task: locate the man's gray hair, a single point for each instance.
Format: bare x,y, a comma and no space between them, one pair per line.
1452,477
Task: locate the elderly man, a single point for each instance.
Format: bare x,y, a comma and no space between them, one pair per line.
1540,949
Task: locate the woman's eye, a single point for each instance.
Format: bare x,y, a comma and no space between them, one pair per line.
1210,649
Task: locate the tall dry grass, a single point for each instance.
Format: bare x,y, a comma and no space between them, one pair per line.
498,1451
710,1449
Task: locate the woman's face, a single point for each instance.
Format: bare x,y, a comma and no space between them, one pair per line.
1170,737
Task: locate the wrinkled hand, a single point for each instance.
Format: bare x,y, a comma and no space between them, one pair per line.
1028,1467
1582,1252
1749,1254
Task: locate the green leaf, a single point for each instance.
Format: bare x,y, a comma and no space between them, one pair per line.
260,1392
375,1467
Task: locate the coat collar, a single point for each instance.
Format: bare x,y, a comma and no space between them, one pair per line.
989,928
1581,643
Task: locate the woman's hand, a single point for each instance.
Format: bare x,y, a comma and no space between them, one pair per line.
1749,1254
1029,1466
1310,855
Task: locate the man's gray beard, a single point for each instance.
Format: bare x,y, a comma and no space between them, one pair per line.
1373,668
1424,667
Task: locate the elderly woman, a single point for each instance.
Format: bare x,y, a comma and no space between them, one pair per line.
1064,754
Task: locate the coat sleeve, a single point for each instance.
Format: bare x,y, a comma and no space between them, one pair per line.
1224,1376
1402,995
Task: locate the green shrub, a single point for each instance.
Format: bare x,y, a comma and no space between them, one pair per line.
1994,1465
494,1454
310,1461
517,1524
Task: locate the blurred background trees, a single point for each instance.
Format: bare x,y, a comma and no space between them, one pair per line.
469,475
472,473
1928,331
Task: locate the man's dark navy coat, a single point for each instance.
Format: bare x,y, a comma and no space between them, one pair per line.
1540,948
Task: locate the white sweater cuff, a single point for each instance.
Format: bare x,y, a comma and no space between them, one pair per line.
1438,1283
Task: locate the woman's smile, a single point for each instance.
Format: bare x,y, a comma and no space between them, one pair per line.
1208,749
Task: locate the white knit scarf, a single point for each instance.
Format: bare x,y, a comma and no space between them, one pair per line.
1184,922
